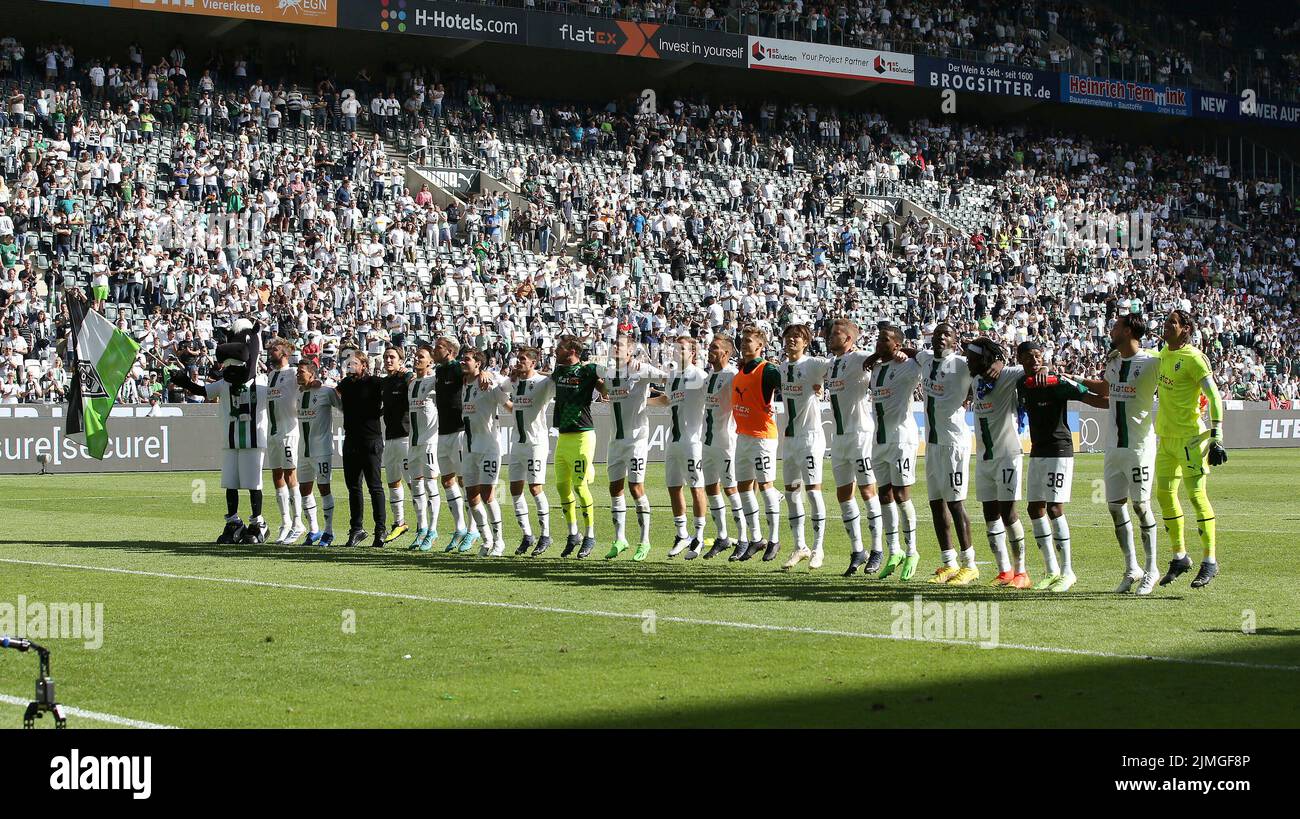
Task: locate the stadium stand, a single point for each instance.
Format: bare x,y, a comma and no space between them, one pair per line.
180,196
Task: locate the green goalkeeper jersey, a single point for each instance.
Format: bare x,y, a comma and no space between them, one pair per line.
574,385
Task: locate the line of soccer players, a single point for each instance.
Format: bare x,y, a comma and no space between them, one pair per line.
441,429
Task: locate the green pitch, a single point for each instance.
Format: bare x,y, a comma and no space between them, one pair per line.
202,635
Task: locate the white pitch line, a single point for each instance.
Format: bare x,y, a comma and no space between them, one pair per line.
690,621
72,711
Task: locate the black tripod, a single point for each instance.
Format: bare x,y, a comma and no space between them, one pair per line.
44,685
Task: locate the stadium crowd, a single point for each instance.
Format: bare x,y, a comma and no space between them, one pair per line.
181,202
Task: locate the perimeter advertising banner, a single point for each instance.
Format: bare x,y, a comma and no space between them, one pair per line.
988,78
1246,108
1126,96
300,12
499,24
769,54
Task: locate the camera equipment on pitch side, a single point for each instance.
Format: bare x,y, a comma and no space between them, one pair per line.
44,684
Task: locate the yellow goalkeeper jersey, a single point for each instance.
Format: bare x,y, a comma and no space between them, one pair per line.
1179,392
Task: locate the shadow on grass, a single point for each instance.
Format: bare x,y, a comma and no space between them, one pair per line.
753,580
1058,693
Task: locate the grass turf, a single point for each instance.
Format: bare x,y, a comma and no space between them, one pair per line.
198,649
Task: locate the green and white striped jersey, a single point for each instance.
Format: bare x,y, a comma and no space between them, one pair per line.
422,404
803,411
242,410
532,396
719,426
316,422
1132,400
946,383
849,385
892,387
629,388
282,402
995,404
686,399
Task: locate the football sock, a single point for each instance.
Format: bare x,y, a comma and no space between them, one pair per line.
232,504
1043,535
1147,527
907,515
255,502
397,502
1061,534
968,557
643,517
296,497
618,510
817,513
456,506
1205,525
794,501
494,519
738,515
418,501
521,515
998,543
480,514
889,518
700,521
588,506
1124,534
949,557
718,510
772,504
327,506
750,502
679,524
873,523
1016,540
282,502
543,514
309,504
852,523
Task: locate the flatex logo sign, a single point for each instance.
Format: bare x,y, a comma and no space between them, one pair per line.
621,37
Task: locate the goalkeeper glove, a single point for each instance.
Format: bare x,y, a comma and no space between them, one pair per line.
1217,455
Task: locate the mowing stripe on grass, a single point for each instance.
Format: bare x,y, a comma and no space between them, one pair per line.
111,719
689,621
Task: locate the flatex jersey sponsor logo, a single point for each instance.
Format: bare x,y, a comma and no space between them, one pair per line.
766,54
303,12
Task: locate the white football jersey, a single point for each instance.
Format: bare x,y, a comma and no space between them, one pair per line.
532,397
946,383
282,402
892,387
316,422
719,425
1132,400
421,399
686,398
479,409
803,409
849,385
996,404
629,387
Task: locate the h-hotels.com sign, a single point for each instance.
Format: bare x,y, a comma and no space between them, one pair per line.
302,12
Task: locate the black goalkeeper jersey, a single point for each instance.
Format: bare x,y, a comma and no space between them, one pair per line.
447,383
397,421
1046,402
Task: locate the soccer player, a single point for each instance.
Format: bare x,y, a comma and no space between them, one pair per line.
575,384
1186,448
484,394
532,392
804,443
282,439
1046,398
995,399
316,405
448,385
945,380
719,450
893,454
629,381
397,435
421,450
753,389
1129,383
684,465
854,428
